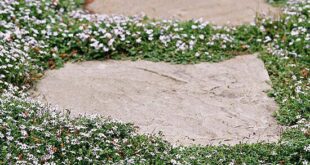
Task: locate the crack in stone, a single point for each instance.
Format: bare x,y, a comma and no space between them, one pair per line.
163,75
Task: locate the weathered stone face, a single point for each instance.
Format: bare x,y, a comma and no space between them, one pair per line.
216,11
191,104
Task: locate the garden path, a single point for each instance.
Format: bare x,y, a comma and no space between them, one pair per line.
205,103
217,11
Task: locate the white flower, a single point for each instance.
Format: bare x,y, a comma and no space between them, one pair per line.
172,161
1,135
267,39
194,27
24,133
110,43
139,40
108,35
149,31
298,89
305,162
105,49
10,138
151,38
294,32
307,148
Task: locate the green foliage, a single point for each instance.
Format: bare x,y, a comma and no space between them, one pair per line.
38,35
277,2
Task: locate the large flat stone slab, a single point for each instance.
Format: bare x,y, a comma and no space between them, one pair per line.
217,11
191,104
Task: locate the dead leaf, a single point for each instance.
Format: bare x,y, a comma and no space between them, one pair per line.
55,149
20,157
305,73
51,64
64,55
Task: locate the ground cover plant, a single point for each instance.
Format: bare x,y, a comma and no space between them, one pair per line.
277,2
36,35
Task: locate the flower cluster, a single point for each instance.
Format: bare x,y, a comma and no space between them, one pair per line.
34,133
40,34
173,41
287,39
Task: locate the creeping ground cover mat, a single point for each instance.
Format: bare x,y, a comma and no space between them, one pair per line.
80,87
